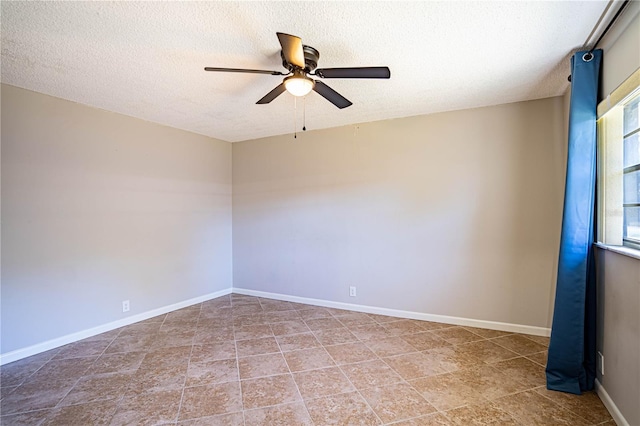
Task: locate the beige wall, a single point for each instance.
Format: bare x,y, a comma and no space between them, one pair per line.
97,208
621,49
619,331
619,275
453,214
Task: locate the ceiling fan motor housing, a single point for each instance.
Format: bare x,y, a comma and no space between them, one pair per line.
311,56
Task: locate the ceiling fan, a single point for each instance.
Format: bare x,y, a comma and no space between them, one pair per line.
301,61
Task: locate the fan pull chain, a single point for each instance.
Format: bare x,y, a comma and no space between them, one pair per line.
304,114
295,116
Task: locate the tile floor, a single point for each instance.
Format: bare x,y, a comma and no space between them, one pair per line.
241,360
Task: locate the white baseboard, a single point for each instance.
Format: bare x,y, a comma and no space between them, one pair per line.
493,325
74,337
610,405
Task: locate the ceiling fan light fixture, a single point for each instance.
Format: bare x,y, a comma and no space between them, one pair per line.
298,84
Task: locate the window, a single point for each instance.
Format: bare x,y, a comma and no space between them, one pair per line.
619,166
631,172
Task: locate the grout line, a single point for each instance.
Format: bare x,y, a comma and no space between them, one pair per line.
186,373
235,345
295,383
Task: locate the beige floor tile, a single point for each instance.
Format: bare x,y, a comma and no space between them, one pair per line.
370,331
539,358
296,342
276,305
323,382
248,309
210,400
205,336
451,358
249,320
63,369
262,365
97,388
92,413
446,392
280,415
155,380
435,419
519,344
148,408
238,357
212,352
82,349
425,341
381,319
543,340
253,332
35,395
140,328
211,372
493,382
487,351
323,324
457,335
415,365
524,371
314,313
404,326
486,333
176,338
289,327
343,409
4,391
16,372
480,415
587,405
396,402
309,359
262,346
531,408
389,346
117,362
267,391
281,316
172,357
348,353
131,343
231,419
370,374
355,319
25,419
335,336
430,325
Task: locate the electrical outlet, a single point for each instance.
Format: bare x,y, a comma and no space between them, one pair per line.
601,363
352,291
125,306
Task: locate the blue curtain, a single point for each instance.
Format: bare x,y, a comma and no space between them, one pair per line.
572,349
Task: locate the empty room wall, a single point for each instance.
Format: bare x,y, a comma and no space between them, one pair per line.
453,214
98,208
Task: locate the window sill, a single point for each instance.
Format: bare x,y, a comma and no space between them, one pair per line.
625,251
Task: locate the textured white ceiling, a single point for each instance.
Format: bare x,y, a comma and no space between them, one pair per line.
146,59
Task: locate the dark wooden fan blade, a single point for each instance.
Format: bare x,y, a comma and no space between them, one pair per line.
331,95
292,49
243,70
358,72
272,94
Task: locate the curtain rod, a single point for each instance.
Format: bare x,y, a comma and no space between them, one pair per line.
606,30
